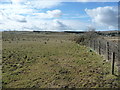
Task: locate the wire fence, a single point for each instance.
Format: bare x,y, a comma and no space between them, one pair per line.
110,50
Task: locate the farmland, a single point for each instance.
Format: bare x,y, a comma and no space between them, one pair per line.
52,60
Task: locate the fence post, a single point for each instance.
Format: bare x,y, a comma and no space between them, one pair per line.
112,62
94,44
99,47
107,50
118,66
118,60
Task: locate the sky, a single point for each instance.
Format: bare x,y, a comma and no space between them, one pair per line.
58,15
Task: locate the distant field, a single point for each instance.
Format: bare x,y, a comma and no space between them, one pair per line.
111,35
52,60
113,39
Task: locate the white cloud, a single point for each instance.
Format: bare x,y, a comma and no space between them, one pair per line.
49,14
13,14
75,24
50,25
18,18
40,4
33,24
97,0
55,13
17,1
51,2
15,9
1,15
57,24
5,0
104,16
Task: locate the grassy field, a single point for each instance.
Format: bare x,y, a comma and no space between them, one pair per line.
52,60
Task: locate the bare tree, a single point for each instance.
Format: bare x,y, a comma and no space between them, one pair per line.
91,31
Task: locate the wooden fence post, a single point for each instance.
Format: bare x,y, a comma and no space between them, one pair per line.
91,43
94,44
118,60
118,66
99,48
107,50
112,63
